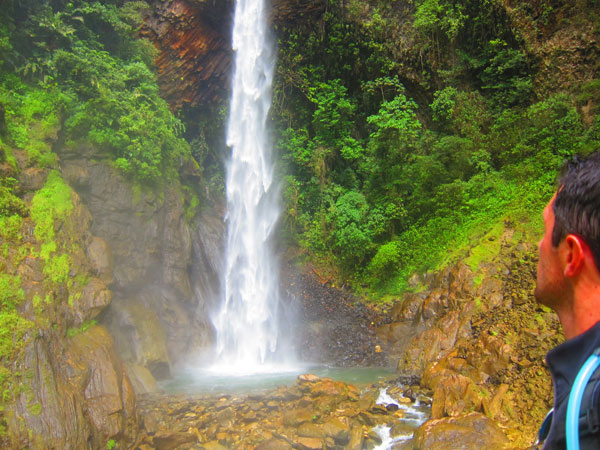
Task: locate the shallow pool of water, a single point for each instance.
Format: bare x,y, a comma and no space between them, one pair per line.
197,381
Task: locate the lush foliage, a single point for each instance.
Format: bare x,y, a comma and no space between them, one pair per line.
385,184
82,65
72,73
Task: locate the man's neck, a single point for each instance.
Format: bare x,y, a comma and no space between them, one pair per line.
583,313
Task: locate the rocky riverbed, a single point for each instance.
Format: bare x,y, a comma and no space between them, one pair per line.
313,413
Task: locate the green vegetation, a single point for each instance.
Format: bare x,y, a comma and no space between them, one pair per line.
14,330
71,332
384,181
52,203
82,67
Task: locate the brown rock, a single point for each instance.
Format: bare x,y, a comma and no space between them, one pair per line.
449,396
100,258
213,445
296,417
356,438
406,309
165,440
309,443
337,429
109,397
141,379
434,304
472,431
311,430
274,444
94,298
32,179
308,378
328,387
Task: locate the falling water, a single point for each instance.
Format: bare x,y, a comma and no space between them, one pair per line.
247,324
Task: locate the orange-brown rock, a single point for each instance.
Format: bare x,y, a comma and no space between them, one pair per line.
194,57
194,50
471,431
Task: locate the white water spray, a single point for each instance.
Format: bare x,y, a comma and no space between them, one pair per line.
247,324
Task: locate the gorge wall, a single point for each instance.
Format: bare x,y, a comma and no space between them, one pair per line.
477,338
133,302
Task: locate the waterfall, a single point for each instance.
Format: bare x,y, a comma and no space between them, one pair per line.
247,323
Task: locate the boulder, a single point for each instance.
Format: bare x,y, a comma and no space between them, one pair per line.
140,337
274,444
406,309
434,343
107,391
309,443
338,429
472,431
167,440
141,379
95,296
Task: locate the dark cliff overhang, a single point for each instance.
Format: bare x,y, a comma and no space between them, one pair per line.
193,38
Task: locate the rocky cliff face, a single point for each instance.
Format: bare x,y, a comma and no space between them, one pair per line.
477,339
193,38
111,294
66,387
162,285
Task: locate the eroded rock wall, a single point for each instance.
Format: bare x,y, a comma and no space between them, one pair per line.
65,386
193,39
162,285
477,339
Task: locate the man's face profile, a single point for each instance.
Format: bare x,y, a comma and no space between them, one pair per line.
550,284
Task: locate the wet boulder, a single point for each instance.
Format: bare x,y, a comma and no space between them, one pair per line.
473,431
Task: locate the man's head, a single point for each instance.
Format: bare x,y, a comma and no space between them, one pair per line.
577,204
572,234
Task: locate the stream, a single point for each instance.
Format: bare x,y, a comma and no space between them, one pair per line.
341,408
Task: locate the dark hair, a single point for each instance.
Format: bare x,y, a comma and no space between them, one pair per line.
577,204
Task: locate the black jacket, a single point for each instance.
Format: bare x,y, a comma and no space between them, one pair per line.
564,362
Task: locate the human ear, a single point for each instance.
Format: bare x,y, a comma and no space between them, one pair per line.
575,255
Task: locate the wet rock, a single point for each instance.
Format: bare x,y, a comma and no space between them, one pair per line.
312,430
434,304
472,431
356,438
60,422
107,403
434,343
309,443
142,246
141,337
296,417
328,420
141,379
338,430
165,440
32,179
274,444
450,396
407,309
100,258
94,298
213,445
